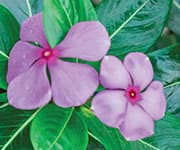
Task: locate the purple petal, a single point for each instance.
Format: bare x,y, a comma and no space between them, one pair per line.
153,100
72,84
21,58
140,69
113,74
85,40
110,106
31,89
32,30
137,124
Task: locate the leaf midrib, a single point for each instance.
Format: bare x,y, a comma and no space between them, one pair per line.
63,128
19,130
67,15
128,20
172,84
4,55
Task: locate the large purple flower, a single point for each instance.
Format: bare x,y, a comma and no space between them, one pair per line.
131,100
36,74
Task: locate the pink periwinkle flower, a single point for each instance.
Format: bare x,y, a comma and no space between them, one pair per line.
36,74
131,100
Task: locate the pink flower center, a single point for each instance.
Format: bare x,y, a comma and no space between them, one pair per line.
133,94
49,54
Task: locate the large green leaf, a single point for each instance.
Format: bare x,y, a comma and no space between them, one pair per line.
22,9
174,21
13,123
56,128
167,133
60,15
166,63
110,138
133,25
9,34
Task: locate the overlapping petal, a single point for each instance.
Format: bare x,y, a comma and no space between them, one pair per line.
30,89
72,84
32,30
110,107
137,124
21,58
140,69
113,74
153,100
85,40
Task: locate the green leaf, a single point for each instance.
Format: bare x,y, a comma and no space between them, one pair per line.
174,21
94,145
167,133
3,97
56,128
9,34
12,125
3,71
110,138
166,63
60,15
23,9
134,25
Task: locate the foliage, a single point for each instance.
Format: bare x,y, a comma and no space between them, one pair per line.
134,25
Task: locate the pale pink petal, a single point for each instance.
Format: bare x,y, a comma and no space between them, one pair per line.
32,30
153,100
140,69
21,58
137,124
31,89
113,74
110,107
72,84
85,40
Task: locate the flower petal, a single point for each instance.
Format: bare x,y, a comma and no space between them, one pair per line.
85,40
72,84
110,107
31,89
153,100
113,74
137,124
32,30
140,69
21,58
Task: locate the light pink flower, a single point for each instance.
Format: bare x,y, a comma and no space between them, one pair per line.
30,66
131,100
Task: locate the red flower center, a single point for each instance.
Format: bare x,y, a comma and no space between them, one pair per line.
47,54
133,94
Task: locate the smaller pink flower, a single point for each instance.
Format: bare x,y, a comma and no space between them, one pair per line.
37,74
131,100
